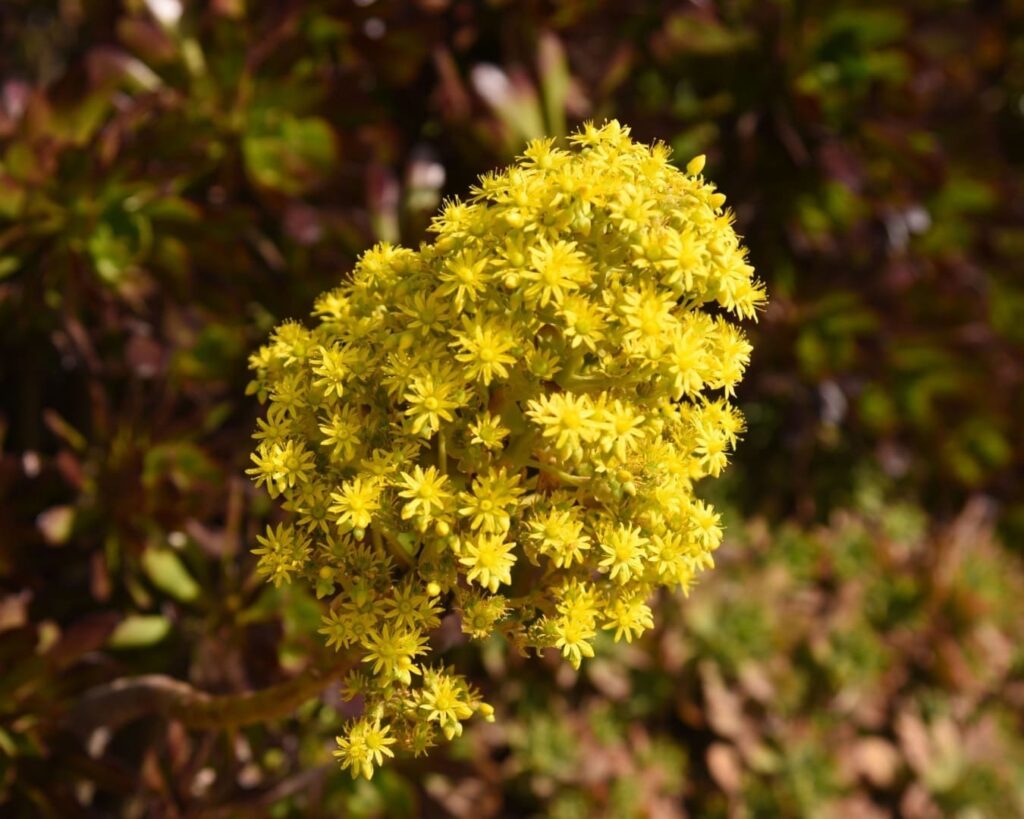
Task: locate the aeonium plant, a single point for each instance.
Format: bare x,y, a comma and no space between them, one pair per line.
507,424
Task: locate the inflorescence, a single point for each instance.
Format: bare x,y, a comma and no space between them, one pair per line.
507,424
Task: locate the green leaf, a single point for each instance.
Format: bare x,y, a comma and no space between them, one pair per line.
140,631
555,81
182,463
111,253
408,542
12,199
165,569
691,34
514,100
288,154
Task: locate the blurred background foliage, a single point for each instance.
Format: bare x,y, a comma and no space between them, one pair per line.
177,177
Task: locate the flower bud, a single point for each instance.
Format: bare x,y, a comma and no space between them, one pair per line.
696,165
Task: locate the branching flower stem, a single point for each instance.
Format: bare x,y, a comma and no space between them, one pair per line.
124,700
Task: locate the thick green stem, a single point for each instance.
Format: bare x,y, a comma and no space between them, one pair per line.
384,542
442,453
562,475
121,701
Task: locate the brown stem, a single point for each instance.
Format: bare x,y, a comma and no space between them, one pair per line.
251,804
121,701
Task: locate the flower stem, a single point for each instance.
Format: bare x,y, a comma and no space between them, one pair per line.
130,698
442,452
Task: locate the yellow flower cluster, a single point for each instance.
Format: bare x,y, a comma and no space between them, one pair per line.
507,424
